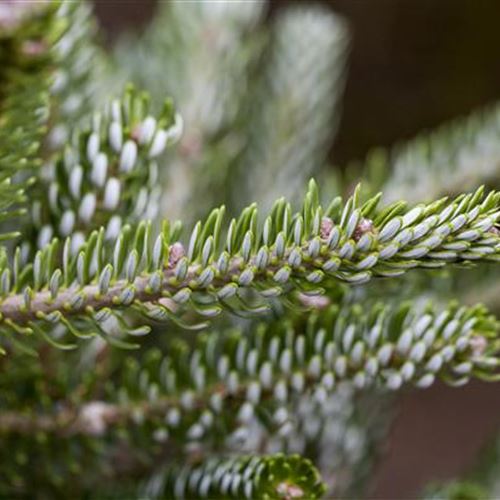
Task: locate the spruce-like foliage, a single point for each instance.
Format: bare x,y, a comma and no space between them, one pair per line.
139,359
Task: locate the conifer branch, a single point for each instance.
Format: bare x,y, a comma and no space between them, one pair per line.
108,173
458,155
232,381
26,34
202,415
46,86
300,82
207,72
303,251
78,74
266,477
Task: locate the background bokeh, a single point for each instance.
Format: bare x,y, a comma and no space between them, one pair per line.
413,65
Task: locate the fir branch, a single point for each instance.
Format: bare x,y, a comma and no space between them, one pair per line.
458,155
108,173
301,251
79,72
264,477
294,110
71,422
59,384
231,382
46,86
205,69
202,68
26,34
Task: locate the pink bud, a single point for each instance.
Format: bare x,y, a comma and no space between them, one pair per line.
364,226
326,227
494,230
176,253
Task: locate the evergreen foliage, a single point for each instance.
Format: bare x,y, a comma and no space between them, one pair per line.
25,79
271,330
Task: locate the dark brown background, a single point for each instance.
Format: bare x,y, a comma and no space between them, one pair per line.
413,64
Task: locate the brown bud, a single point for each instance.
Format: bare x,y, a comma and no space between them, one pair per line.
176,253
364,226
326,227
